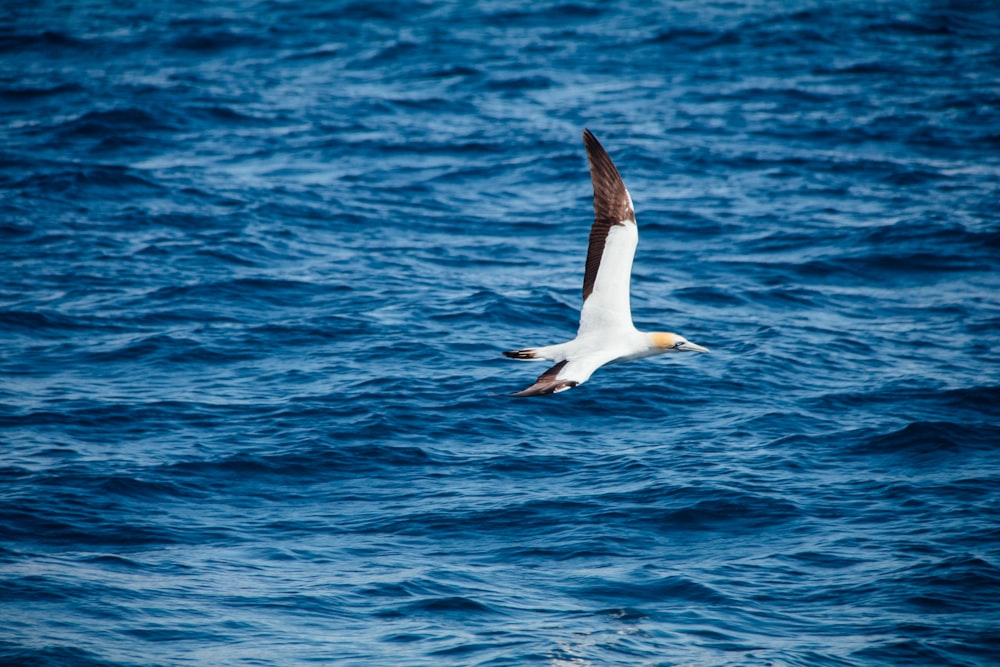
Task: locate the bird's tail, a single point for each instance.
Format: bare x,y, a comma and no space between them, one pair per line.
528,354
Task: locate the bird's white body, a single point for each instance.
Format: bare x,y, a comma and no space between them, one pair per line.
585,354
606,334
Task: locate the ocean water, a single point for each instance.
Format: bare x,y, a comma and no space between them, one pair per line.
259,261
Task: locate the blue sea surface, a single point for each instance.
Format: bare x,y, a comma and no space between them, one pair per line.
259,261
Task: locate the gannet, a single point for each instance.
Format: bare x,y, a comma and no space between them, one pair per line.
606,334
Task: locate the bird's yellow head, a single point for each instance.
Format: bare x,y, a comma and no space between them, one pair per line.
671,342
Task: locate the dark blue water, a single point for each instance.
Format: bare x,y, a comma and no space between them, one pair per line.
260,259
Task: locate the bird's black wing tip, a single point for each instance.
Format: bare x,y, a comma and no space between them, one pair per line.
545,388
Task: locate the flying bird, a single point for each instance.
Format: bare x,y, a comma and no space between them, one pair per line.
606,334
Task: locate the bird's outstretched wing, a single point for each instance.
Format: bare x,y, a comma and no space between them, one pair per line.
613,239
549,382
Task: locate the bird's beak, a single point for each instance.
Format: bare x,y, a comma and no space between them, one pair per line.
691,347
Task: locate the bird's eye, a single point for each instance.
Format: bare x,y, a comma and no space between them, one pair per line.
679,344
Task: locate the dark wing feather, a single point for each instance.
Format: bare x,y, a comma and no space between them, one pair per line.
547,383
611,206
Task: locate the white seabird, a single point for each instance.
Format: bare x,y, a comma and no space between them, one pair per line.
606,334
